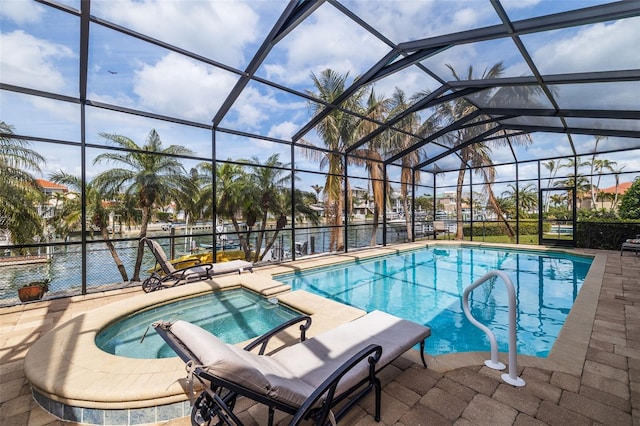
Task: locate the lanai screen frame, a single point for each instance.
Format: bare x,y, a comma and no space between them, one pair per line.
401,55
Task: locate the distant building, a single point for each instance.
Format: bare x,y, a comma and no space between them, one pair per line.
362,202
606,196
53,191
51,188
446,205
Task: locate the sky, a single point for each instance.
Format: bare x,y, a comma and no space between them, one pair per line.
40,50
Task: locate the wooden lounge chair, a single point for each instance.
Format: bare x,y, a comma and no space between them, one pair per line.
632,244
171,277
308,380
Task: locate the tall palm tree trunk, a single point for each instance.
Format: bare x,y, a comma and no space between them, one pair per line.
378,205
146,214
459,233
116,258
407,218
496,208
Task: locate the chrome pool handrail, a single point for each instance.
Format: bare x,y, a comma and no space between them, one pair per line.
511,378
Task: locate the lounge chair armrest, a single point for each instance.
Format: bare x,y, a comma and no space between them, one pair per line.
328,387
264,339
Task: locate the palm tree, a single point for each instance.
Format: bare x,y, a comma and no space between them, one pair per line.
302,205
205,195
553,166
478,155
400,142
593,164
96,214
507,205
376,109
337,131
268,181
19,191
599,166
231,186
150,171
578,183
318,189
125,208
526,196
197,205
558,199
616,174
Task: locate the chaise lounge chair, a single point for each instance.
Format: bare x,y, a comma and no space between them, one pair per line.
631,244
308,380
172,277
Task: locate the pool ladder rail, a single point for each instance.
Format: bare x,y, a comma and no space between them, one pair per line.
511,378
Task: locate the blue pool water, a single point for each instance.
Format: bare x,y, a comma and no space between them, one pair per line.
232,315
426,286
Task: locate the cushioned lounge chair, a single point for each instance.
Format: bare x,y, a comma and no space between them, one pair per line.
632,244
317,379
171,276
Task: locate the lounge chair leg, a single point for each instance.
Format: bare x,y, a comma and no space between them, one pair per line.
422,354
378,391
271,413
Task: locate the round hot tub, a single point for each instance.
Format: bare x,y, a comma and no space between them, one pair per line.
234,316
75,380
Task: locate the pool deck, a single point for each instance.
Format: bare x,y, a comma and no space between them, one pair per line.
592,375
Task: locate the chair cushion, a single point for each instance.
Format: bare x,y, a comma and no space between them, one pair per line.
634,240
261,374
316,359
236,265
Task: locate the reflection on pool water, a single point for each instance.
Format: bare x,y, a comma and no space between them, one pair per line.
426,285
232,315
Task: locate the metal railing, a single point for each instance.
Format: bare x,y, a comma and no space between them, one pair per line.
511,378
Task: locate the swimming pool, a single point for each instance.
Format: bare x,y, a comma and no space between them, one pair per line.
233,315
426,285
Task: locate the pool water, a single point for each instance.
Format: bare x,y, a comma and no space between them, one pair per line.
426,286
232,315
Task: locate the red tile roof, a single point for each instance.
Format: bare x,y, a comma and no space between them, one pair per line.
45,184
622,188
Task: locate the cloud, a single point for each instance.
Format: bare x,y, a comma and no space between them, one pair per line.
247,108
283,130
176,85
259,106
519,4
402,21
32,62
597,47
22,12
311,48
218,30
465,18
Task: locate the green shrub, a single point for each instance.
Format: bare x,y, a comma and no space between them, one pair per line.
605,235
163,216
527,227
630,202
